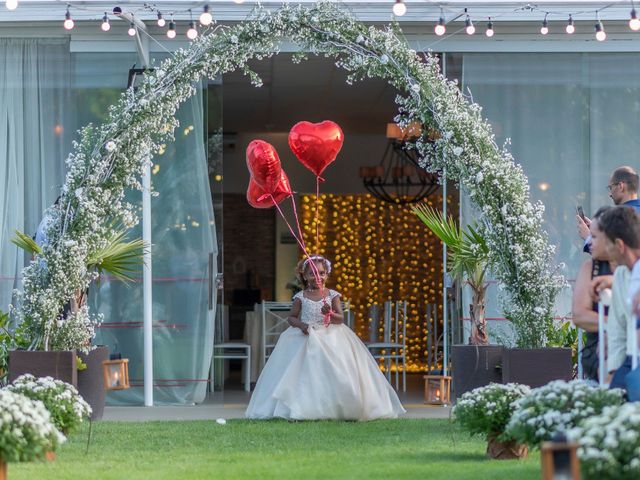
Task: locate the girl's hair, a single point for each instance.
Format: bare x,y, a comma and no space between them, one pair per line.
304,263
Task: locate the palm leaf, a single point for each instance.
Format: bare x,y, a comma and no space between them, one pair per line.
119,257
26,243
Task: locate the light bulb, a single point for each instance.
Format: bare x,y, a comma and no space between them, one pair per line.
161,21
489,33
470,28
570,28
399,8
545,27
68,21
105,26
600,33
11,4
192,33
440,27
205,16
132,30
171,33
634,23
238,1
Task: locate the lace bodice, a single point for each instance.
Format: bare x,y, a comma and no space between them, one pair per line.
311,310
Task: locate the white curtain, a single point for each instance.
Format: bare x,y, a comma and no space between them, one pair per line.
34,92
572,118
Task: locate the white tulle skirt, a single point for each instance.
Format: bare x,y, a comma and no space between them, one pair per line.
328,374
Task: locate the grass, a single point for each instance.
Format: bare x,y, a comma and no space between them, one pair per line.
242,449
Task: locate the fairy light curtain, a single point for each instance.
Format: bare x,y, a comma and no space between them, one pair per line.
379,252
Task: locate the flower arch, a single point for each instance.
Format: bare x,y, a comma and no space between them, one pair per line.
110,158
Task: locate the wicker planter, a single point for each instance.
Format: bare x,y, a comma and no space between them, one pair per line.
91,380
505,450
58,364
536,366
474,366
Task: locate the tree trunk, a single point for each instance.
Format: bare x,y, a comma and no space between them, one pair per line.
477,314
3,470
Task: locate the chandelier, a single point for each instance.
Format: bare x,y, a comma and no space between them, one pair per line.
398,178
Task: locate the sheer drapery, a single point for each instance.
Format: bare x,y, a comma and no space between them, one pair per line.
572,118
34,140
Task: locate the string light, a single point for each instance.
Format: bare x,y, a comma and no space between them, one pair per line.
238,2
205,17
68,21
399,8
601,35
105,26
545,26
634,23
11,4
161,21
440,28
570,28
470,29
489,33
132,30
192,33
171,32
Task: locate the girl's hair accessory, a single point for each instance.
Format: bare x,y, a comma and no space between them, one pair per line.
317,258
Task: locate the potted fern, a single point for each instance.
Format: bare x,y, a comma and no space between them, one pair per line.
62,348
476,364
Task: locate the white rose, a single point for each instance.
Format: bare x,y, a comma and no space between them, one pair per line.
384,59
415,87
110,146
457,151
359,39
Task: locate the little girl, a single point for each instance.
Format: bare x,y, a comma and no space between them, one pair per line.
319,369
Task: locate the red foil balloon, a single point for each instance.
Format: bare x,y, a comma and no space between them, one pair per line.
316,144
264,165
258,198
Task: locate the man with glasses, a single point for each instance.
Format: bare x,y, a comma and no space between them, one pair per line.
623,190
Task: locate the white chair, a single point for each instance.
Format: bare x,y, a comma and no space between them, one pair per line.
393,347
229,350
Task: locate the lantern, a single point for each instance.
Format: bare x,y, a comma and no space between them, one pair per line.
437,389
559,459
116,374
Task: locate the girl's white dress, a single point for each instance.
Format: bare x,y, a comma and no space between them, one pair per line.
328,374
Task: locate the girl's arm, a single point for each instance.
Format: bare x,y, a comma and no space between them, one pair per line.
337,315
294,317
583,316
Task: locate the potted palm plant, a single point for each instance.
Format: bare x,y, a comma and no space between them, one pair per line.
476,364
63,349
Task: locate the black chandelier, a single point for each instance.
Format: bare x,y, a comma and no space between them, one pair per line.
398,178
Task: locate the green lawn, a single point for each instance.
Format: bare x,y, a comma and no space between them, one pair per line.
385,449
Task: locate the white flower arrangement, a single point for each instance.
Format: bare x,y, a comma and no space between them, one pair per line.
610,443
487,410
109,159
558,407
26,430
67,408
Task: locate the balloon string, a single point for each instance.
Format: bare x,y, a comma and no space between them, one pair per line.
317,213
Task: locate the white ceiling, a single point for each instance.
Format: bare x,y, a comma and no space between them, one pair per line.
314,90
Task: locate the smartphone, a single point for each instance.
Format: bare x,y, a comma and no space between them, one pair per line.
580,211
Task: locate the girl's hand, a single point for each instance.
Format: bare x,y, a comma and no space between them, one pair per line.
304,328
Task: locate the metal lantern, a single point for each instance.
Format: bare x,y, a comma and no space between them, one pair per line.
116,374
437,389
559,459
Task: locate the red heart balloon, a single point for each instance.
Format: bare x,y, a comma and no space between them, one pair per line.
264,165
257,197
316,144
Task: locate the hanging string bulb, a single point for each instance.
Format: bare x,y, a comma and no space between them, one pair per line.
132,30
469,26
238,1
399,8
489,33
634,23
205,17
192,33
105,26
441,27
545,26
171,32
601,35
11,4
161,21
68,21
570,28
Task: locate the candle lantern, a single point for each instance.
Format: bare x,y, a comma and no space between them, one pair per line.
116,374
437,389
559,459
